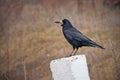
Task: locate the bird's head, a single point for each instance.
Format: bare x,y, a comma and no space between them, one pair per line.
64,23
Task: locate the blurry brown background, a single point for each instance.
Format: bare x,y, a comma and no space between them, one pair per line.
29,38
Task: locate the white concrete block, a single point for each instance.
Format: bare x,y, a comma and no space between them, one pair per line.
70,68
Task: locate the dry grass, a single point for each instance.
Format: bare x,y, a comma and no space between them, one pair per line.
33,37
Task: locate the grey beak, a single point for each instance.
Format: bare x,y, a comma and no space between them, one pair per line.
58,22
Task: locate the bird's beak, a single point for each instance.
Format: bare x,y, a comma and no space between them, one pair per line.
58,22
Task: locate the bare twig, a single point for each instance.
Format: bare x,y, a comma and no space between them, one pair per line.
6,77
24,68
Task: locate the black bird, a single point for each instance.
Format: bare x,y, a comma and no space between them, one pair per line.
75,37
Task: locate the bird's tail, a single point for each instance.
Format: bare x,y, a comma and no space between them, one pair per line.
96,45
99,46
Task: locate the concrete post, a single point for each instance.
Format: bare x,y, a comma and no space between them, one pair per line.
70,68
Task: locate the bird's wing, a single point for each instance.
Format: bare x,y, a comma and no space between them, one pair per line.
75,34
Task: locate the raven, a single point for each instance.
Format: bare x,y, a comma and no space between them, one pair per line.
75,37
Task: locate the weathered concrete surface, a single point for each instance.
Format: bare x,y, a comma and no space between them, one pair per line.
70,68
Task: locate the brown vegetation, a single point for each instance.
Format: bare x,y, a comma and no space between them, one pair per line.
29,39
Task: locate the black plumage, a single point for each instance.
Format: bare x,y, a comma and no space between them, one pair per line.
75,37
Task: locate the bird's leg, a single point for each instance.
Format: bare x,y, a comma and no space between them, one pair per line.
72,52
75,52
